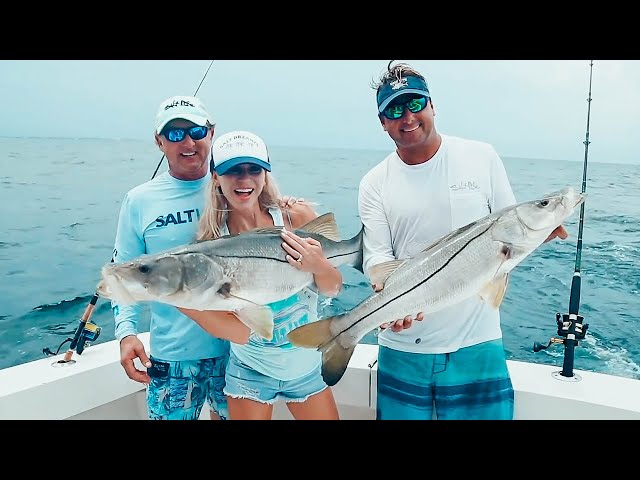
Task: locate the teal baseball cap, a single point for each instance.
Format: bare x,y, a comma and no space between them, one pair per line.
405,85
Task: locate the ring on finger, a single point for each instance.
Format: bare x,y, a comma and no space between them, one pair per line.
299,259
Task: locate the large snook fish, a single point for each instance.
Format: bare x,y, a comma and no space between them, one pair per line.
473,260
239,273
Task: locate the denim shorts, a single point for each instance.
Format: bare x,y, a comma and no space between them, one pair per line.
244,382
178,390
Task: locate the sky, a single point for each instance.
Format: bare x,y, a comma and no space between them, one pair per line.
525,108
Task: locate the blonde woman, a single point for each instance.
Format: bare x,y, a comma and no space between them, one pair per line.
242,196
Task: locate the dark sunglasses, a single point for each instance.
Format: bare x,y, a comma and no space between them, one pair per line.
239,170
179,134
415,105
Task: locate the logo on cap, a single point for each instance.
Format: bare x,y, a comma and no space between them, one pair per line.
399,83
181,103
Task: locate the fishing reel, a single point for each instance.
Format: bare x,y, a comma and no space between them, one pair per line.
89,333
85,332
565,325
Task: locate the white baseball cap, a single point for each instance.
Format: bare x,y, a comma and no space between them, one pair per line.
234,148
185,107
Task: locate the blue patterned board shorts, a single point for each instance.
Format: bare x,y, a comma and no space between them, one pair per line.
472,383
178,390
243,381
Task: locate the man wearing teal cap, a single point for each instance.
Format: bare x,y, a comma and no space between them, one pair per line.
452,365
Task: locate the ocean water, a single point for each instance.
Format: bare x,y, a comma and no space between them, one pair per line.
60,198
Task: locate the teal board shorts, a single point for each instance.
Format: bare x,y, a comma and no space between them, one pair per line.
178,390
472,383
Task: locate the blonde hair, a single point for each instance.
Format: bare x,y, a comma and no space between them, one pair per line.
215,210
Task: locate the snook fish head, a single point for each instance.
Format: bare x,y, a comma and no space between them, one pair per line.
530,223
160,277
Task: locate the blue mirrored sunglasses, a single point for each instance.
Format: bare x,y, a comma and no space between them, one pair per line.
244,169
396,110
179,134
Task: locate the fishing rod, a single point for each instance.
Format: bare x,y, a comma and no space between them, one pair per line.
88,331
570,326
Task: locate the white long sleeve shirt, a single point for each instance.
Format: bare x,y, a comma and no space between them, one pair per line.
404,208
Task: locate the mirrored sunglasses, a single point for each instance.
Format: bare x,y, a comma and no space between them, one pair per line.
179,134
244,169
415,105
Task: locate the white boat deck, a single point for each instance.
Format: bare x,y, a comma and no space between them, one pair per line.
96,387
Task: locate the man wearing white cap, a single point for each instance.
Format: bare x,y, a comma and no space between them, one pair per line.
186,365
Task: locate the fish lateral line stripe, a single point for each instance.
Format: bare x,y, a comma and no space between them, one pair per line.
338,255
254,257
419,283
262,257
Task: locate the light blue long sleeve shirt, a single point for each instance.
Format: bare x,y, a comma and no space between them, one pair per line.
160,214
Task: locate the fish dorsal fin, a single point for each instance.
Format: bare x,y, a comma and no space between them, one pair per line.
455,233
494,291
379,273
324,225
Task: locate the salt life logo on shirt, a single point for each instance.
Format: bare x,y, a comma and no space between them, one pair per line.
186,216
465,185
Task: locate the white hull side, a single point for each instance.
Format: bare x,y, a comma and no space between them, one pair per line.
95,387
